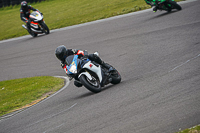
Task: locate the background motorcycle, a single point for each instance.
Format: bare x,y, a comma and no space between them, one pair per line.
90,74
166,5
37,25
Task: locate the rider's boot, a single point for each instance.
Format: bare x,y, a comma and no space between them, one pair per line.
95,57
77,83
106,79
107,66
28,26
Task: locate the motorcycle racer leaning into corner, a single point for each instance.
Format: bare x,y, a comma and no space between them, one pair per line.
62,53
25,12
152,3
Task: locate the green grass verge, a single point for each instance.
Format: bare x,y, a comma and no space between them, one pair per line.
195,129
21,93
62,13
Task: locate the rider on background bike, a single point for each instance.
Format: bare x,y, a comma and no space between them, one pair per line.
62,53
152,3
25,12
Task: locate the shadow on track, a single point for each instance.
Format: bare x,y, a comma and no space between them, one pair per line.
31,38
163,14
88,94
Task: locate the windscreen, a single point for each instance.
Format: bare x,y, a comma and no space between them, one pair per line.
69,59
34,14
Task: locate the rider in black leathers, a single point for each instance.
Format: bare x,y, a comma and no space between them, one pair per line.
62,53
25,12
152,3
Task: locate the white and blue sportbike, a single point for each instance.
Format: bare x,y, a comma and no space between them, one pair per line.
90,74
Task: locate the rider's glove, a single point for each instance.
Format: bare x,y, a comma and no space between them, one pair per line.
74,51
38,10
62,64
80,52
96,53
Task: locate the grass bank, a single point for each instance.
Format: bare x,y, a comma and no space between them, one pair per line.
195,129
62,13
21,93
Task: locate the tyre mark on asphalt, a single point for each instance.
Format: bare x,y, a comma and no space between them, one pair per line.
185,63
53,115
54,128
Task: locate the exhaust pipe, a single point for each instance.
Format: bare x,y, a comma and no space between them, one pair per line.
24,26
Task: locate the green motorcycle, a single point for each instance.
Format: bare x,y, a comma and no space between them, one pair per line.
166,5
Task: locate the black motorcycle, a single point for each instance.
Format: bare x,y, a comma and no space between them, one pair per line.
166,5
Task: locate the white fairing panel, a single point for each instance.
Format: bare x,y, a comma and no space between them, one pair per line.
86,74
34,25
94,68
36,15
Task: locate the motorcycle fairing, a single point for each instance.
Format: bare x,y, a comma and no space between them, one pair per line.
97,69
86,74
86,64
35,25
164,4
36,16
164,0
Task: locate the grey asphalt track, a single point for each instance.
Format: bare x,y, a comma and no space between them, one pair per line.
157,55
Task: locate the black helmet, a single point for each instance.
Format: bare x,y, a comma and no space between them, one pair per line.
24,5
61,52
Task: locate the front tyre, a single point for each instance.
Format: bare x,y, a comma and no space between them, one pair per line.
45,28
92,85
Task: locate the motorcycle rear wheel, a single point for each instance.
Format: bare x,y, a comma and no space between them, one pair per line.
175,5
116,77
92,85
32,34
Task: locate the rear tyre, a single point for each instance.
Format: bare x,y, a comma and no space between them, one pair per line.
32,33
175,5
45,28
92,85
169,10
116,77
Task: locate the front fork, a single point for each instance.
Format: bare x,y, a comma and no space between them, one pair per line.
39,24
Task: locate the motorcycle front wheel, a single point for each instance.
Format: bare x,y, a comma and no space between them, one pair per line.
45,28
92,85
